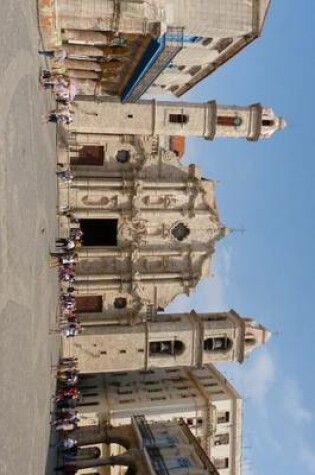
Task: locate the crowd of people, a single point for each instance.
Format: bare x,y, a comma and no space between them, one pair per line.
64,418
65,258
63,87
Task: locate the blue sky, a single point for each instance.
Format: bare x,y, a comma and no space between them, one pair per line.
268,272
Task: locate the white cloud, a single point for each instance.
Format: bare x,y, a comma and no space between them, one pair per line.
293,404
307,457
226,264
259,377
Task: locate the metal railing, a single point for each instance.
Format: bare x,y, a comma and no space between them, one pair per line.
149,443
170,44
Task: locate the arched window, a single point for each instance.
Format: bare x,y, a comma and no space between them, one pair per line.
180,231
229,121
268,123
251,341
218,343
123,156
167,347
178,118
120,302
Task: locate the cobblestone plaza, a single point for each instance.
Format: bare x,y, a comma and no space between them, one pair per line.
28,287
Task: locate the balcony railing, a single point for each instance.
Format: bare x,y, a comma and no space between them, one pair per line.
149,443
167,48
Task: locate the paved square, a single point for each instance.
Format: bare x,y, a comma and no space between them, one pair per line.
28,287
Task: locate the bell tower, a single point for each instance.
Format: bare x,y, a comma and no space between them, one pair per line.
150,117
184,339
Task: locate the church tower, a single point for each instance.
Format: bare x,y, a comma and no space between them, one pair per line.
150,118
187,339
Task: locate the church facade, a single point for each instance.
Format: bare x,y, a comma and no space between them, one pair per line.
150,225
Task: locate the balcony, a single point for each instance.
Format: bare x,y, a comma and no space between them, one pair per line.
155,59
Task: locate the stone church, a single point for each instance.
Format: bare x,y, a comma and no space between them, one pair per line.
150,225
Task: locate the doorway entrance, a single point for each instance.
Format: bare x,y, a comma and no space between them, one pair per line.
88,155
89,304
99,232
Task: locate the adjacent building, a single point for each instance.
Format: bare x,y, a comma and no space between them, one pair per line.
124,48
202,397
161,448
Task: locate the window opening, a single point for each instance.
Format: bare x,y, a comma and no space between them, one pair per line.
207,41
221,464
120,302
229,121
180,231
268,123
222,44
170,347
194,70
178,118
223,417
123,156
217,344
221,439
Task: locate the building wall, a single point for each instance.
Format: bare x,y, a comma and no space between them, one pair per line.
213,32
149,193
211,18
201,396
148,118
127,17
164,341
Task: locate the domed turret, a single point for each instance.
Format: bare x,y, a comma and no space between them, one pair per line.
255,335
270,123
